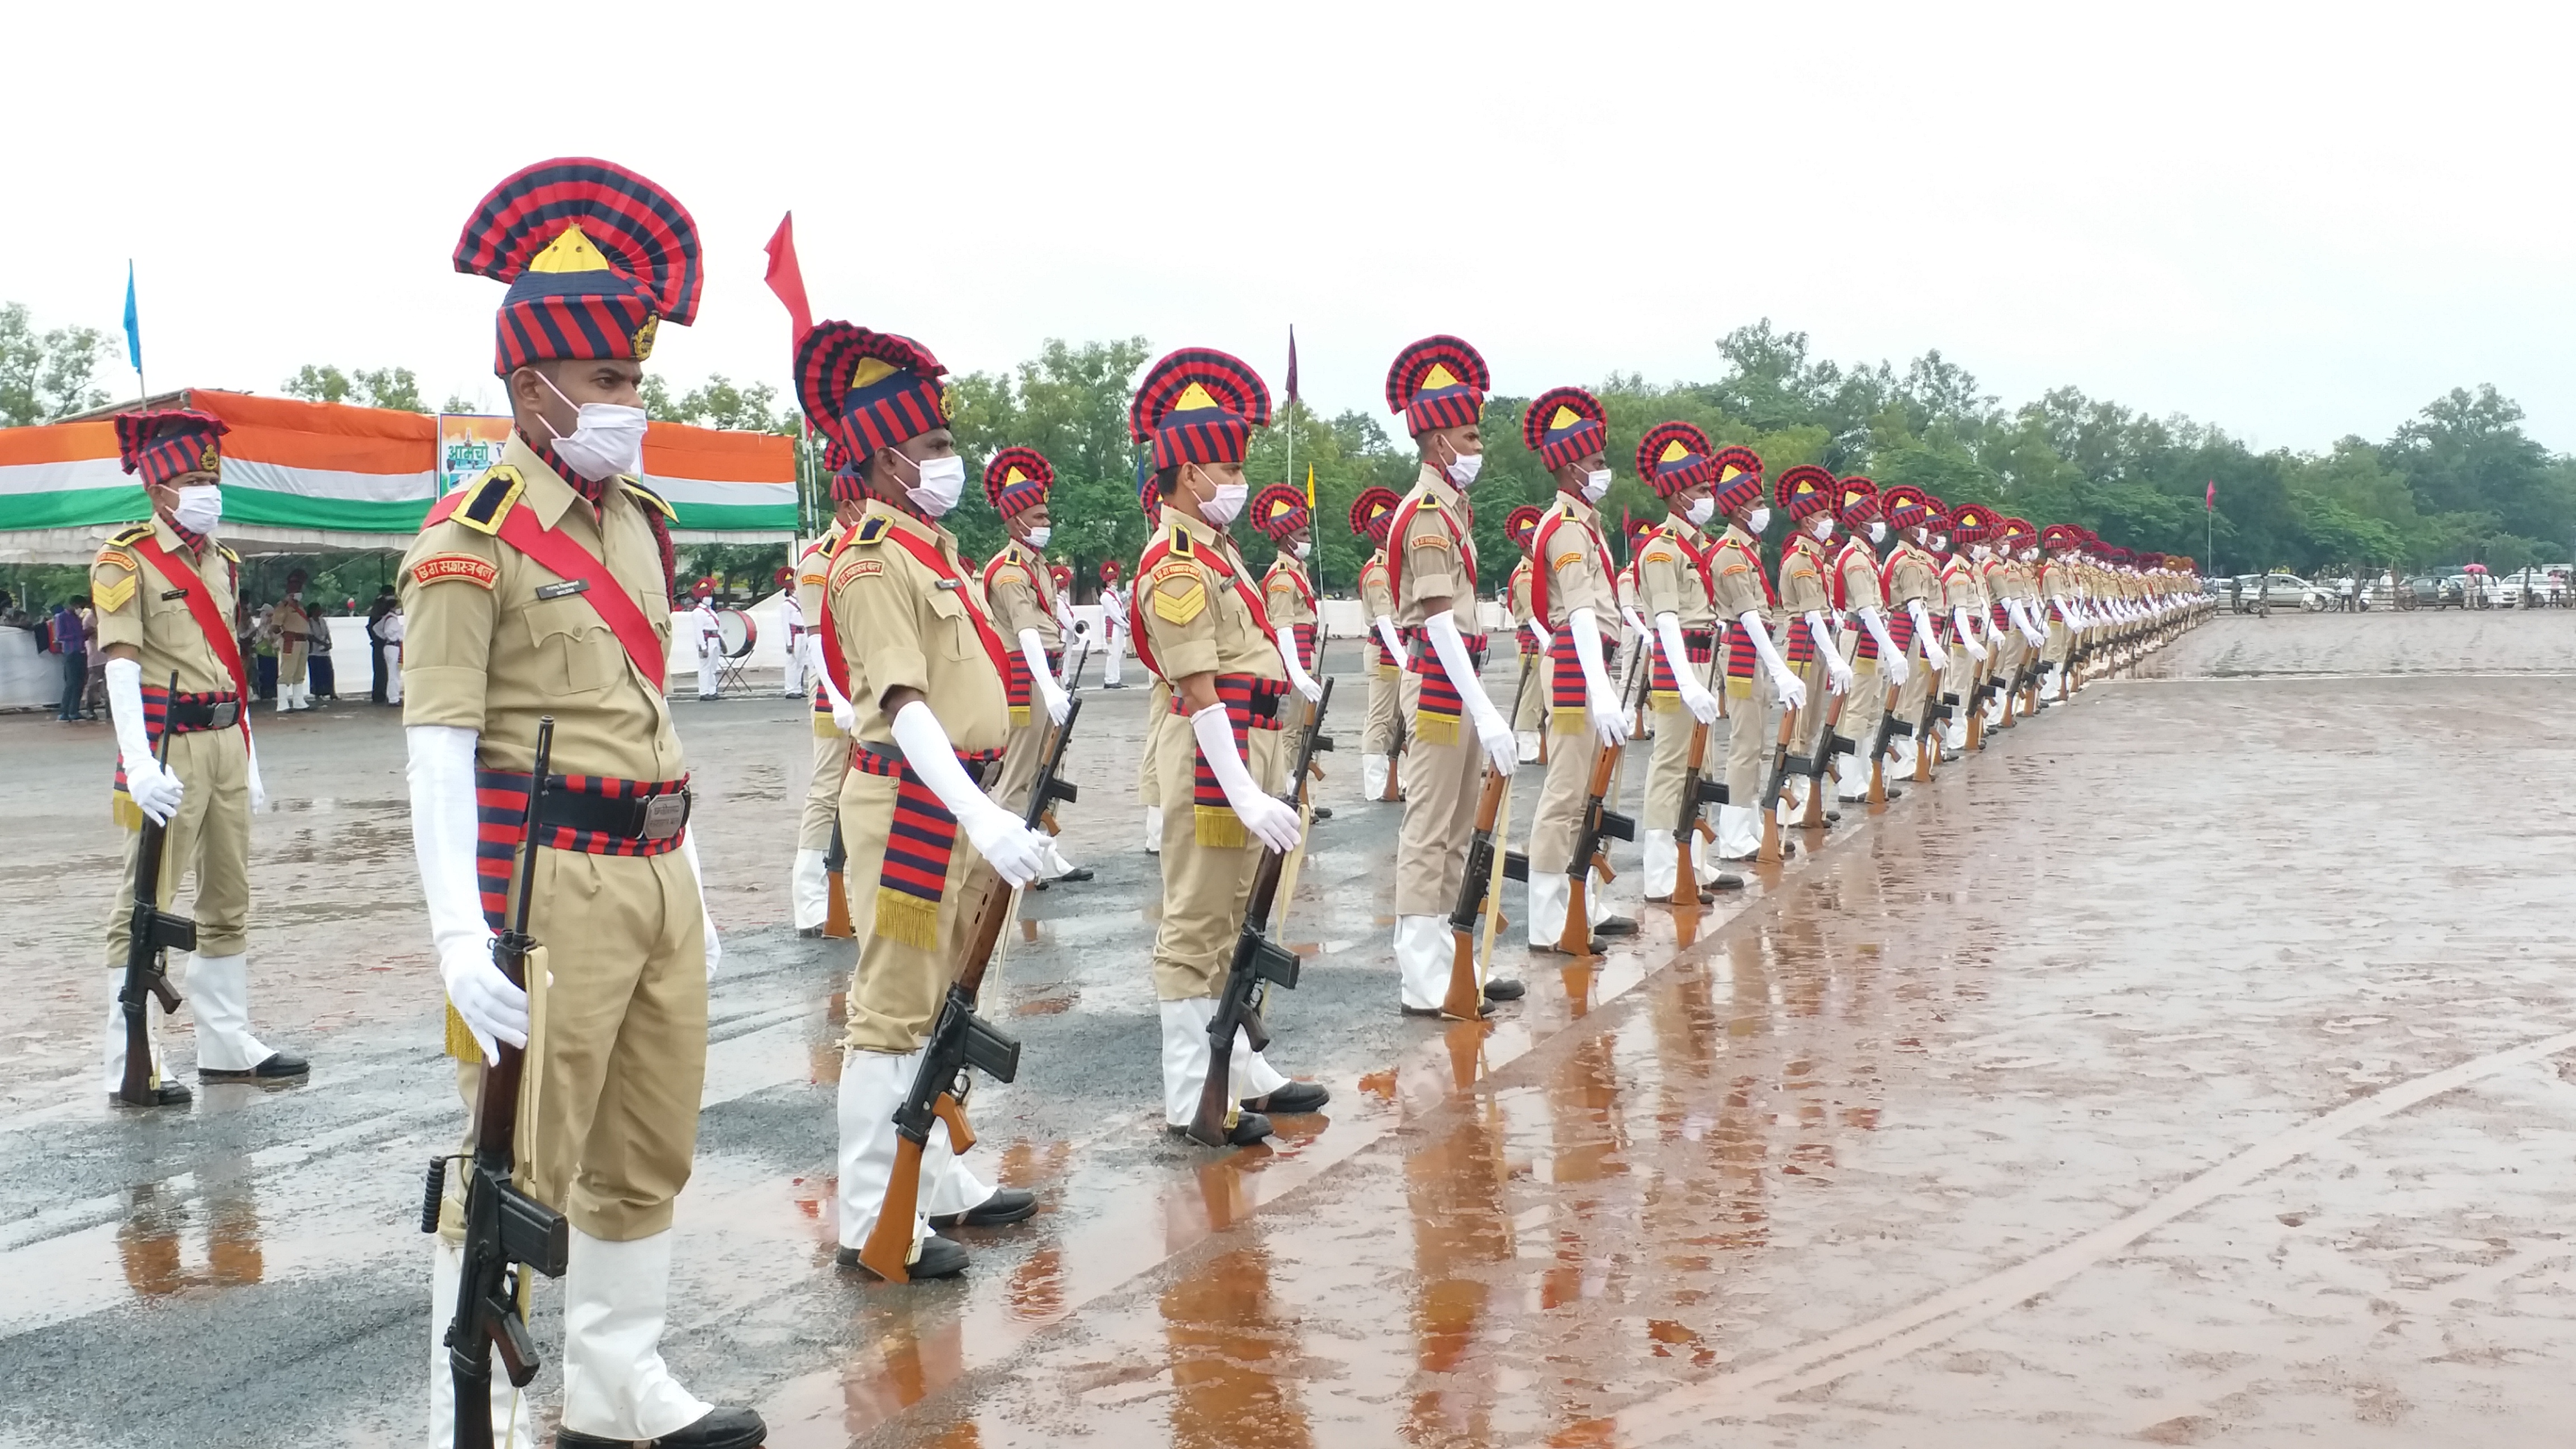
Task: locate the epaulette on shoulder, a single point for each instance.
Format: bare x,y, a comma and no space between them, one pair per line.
654,500
870,530
489,499
230,557
1181,545
1431,500
134,535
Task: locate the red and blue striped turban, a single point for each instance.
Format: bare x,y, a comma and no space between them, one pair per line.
1438,382
1673,456
1197,405
1565,425
596,257
1017,479
870,390
1738,472
165,445
1278,511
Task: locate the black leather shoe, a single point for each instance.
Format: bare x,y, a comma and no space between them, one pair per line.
1833,817
1291,1099
717,1429
1077,874
1502,990
1593,947
1323,812
1006,1205
275,1067
1483,1008
1249,1128
940,1258
1727,880
1614,926
170,1094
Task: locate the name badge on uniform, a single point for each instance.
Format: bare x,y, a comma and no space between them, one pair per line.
952,583
563,590
169,594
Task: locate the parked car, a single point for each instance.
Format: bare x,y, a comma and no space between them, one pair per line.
2279,591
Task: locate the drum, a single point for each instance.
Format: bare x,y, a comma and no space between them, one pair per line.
737,630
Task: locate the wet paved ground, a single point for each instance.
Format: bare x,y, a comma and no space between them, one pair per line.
2187,1068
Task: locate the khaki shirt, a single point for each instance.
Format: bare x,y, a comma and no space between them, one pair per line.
1578,565
1859,569
1195,621
1911,576
1436,564
1667,582
481,650
148,612
901,626
1516,592
813,572
1286,593
1023,595
1376,594
292,625
1738,576
1802,577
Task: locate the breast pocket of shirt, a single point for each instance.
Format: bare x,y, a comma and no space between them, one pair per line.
576,654
951,632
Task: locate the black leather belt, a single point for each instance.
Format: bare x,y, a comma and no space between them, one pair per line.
646,817
189,717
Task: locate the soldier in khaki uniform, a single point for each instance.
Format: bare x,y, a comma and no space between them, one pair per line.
1877,661
543,589
1282,515
809,897
1391,685
1203,629
1806,494
1023,594
927,668
1912,583
292,625
1529,706
1571,598
1963,604
2060,592
164,592
2000,575
1670,565
1758,680
1438,386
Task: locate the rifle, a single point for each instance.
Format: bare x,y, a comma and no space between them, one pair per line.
1889,727
1927,739
151,933
1466,992
1257,958
1828,745
1770,852
836,904
960,1040
1395,749
504,1227
1599,823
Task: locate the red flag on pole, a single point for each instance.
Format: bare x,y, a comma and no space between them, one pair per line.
2210,499
1292,365
786,279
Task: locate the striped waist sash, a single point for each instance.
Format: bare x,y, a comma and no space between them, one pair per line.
1700,645
586,814
919,846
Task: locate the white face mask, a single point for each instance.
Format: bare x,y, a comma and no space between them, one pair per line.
1938,542
1226,506
1301,548
1039,535
607,439
943,481
1463,472
1760,520
1878,530
200,508
1823,527
1595,483
1701,511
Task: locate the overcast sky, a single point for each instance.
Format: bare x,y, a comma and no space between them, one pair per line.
2294,221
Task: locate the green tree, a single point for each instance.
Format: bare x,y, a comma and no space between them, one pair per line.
1069,403
47,375
379,387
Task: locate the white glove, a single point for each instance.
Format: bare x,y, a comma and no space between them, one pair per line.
1393,641
1270,819
258,789
706,911
155,791
1792,691
441,777
1016,853
1838,675
1042,679
1636,622
1695,696
1537,633
1933,653
1600,703
1968,634
1891,660
1298,678
1493,731
845,716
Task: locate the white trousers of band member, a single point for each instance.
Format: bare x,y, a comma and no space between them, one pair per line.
393,672
707,670
872,1086
217,989
514,1411
1186,1056
1551,893
1115,649
793,684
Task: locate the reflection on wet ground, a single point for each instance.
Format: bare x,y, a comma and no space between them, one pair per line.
2090,1094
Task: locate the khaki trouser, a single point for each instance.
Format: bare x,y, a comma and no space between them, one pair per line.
1819,707
1668,778
1385,685
2061,642
1865,700
1204,886
1149,769
1750,735
1529,712
292,664
895,995
1441,784
823,790
1918,684
1020,761
210,835
621,1057
1561,800
2008,658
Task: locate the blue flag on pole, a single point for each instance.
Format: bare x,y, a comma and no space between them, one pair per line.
133,323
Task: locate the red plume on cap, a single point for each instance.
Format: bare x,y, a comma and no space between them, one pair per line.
1903,505
1278,511
1804,490
1565,425
1017,479
2061,535
160,446
704,589
1521,525
596,257
1673,456
1972,523
1109,571
868,390
783,577
1856,501
1198,405
1060,575
1438,382
1738,471
1373,512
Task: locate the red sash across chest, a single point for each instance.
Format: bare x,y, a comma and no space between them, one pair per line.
1206,558
210,620
1543,572
556,552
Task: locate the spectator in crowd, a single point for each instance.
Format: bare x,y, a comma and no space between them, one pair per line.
381,660
390,651
71,641
320,683
94,688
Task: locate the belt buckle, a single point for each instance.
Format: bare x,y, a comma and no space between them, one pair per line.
223,715
664,815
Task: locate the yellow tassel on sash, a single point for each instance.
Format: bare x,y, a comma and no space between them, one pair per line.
1019,716
1219,828
1739,689
1435,729
460,1039
907,920
824,729
127,813
1569,721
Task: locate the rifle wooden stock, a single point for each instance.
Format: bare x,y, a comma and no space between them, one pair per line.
836,888
1878,754
888,1250
1575,939
150,935
1821,767
1465,998
1770,851
1686,833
